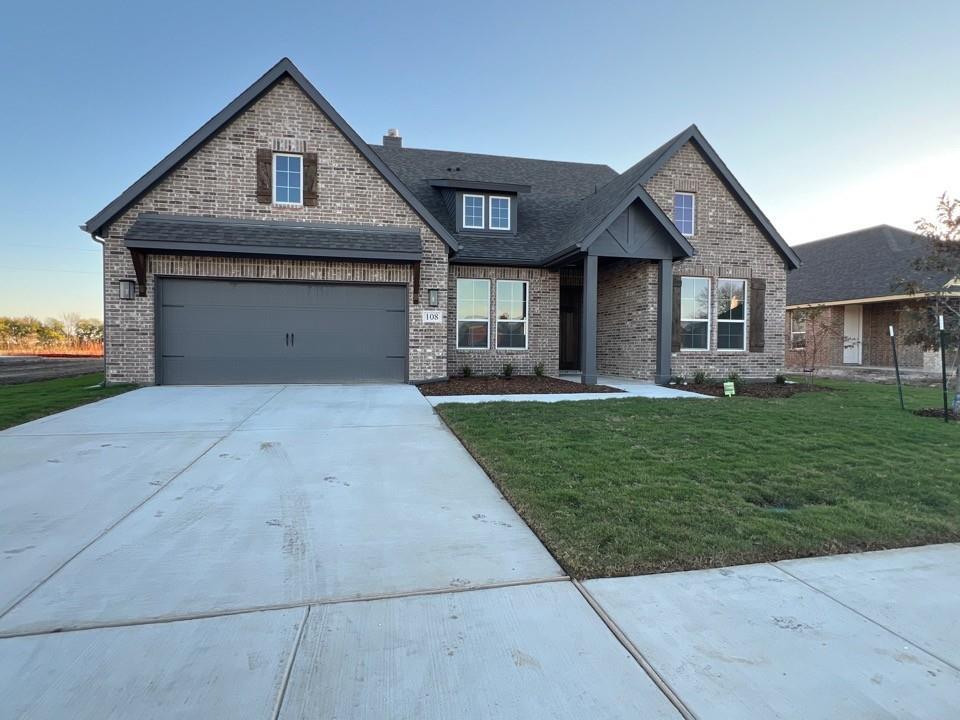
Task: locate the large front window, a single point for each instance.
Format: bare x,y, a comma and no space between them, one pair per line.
695,313
512,314
473,211
684,212
473,313
287,179
731,315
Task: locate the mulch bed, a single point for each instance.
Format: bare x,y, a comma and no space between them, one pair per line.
756,390
517,385
936,413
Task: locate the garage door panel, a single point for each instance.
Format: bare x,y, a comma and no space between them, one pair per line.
220,332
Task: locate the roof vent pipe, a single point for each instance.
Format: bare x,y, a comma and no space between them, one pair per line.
392,139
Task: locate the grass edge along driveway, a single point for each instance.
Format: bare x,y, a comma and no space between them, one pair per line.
633,486
28,401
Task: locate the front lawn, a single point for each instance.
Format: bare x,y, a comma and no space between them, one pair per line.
622,487
31,400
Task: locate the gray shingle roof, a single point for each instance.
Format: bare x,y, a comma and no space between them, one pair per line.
203,234
556,189
861,264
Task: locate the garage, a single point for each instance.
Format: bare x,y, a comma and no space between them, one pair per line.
217,332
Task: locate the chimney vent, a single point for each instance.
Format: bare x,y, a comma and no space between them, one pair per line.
392,139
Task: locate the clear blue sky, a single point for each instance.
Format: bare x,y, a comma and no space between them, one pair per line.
820,108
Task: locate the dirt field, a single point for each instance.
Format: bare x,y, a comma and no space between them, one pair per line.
18,369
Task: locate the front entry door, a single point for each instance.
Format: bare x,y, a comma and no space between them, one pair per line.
571,300
852,334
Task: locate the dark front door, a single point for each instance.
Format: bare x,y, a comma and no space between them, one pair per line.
571,299
215,332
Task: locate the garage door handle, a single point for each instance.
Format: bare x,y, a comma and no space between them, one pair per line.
287,340
293,339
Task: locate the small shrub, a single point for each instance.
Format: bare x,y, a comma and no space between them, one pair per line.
780,379
677,380
507,370
735,378
538,369
700,377
466,371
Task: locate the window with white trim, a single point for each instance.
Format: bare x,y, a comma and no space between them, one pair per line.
512,314
287,179
473,314
731,314
499,213
798,331
695,313
473,211
684,211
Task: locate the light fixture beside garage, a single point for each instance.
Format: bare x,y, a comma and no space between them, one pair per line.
433,297
127,289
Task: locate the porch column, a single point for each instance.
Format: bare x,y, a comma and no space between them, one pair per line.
588,322
664,321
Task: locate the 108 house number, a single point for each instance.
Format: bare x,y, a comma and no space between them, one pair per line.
432,316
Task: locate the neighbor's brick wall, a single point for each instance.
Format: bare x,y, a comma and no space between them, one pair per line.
729,245
543,324
220,181
824,340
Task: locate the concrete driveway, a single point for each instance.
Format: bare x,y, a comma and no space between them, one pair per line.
333,552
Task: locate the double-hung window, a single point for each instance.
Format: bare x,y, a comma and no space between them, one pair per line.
731,315
695,313
473,211
287,179
512,314
684,212
499,213
798,331
473,314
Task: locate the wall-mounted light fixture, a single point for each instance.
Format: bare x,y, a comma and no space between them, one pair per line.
127,289
433,297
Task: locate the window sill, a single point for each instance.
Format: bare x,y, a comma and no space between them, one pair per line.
286,205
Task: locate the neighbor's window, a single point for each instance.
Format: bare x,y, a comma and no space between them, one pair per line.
287,179
798,331
683,212
731,315
499,213
512,314
473,313
695,313
473,211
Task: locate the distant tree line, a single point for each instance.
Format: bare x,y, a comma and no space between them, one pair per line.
68,334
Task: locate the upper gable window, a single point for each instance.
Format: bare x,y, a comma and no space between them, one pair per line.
473,211
287,179
683,212
499,213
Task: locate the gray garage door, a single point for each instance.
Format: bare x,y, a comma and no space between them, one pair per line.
220,332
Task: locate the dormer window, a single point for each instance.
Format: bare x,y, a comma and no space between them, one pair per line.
287,179
473,211
499,213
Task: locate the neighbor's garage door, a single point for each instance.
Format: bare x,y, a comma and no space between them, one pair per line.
221,331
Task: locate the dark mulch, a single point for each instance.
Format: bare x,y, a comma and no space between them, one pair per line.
517,385
936,412
756,390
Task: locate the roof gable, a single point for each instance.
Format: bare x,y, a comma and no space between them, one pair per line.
284,68
651,165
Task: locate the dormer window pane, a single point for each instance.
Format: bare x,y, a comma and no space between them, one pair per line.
473,211
499,213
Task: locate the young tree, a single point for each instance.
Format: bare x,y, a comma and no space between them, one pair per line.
820,334
937,281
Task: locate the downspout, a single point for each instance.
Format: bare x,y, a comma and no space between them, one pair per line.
103,269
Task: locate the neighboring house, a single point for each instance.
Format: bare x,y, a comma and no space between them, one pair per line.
850,282
275,245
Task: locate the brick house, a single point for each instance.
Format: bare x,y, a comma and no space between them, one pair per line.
275,245
843,301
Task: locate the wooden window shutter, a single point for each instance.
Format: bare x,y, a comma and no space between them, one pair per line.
758,310
310,179
675,332
264,175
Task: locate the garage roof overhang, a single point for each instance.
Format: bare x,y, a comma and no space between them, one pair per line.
156,234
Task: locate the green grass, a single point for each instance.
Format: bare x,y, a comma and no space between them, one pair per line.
28,401
621,487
